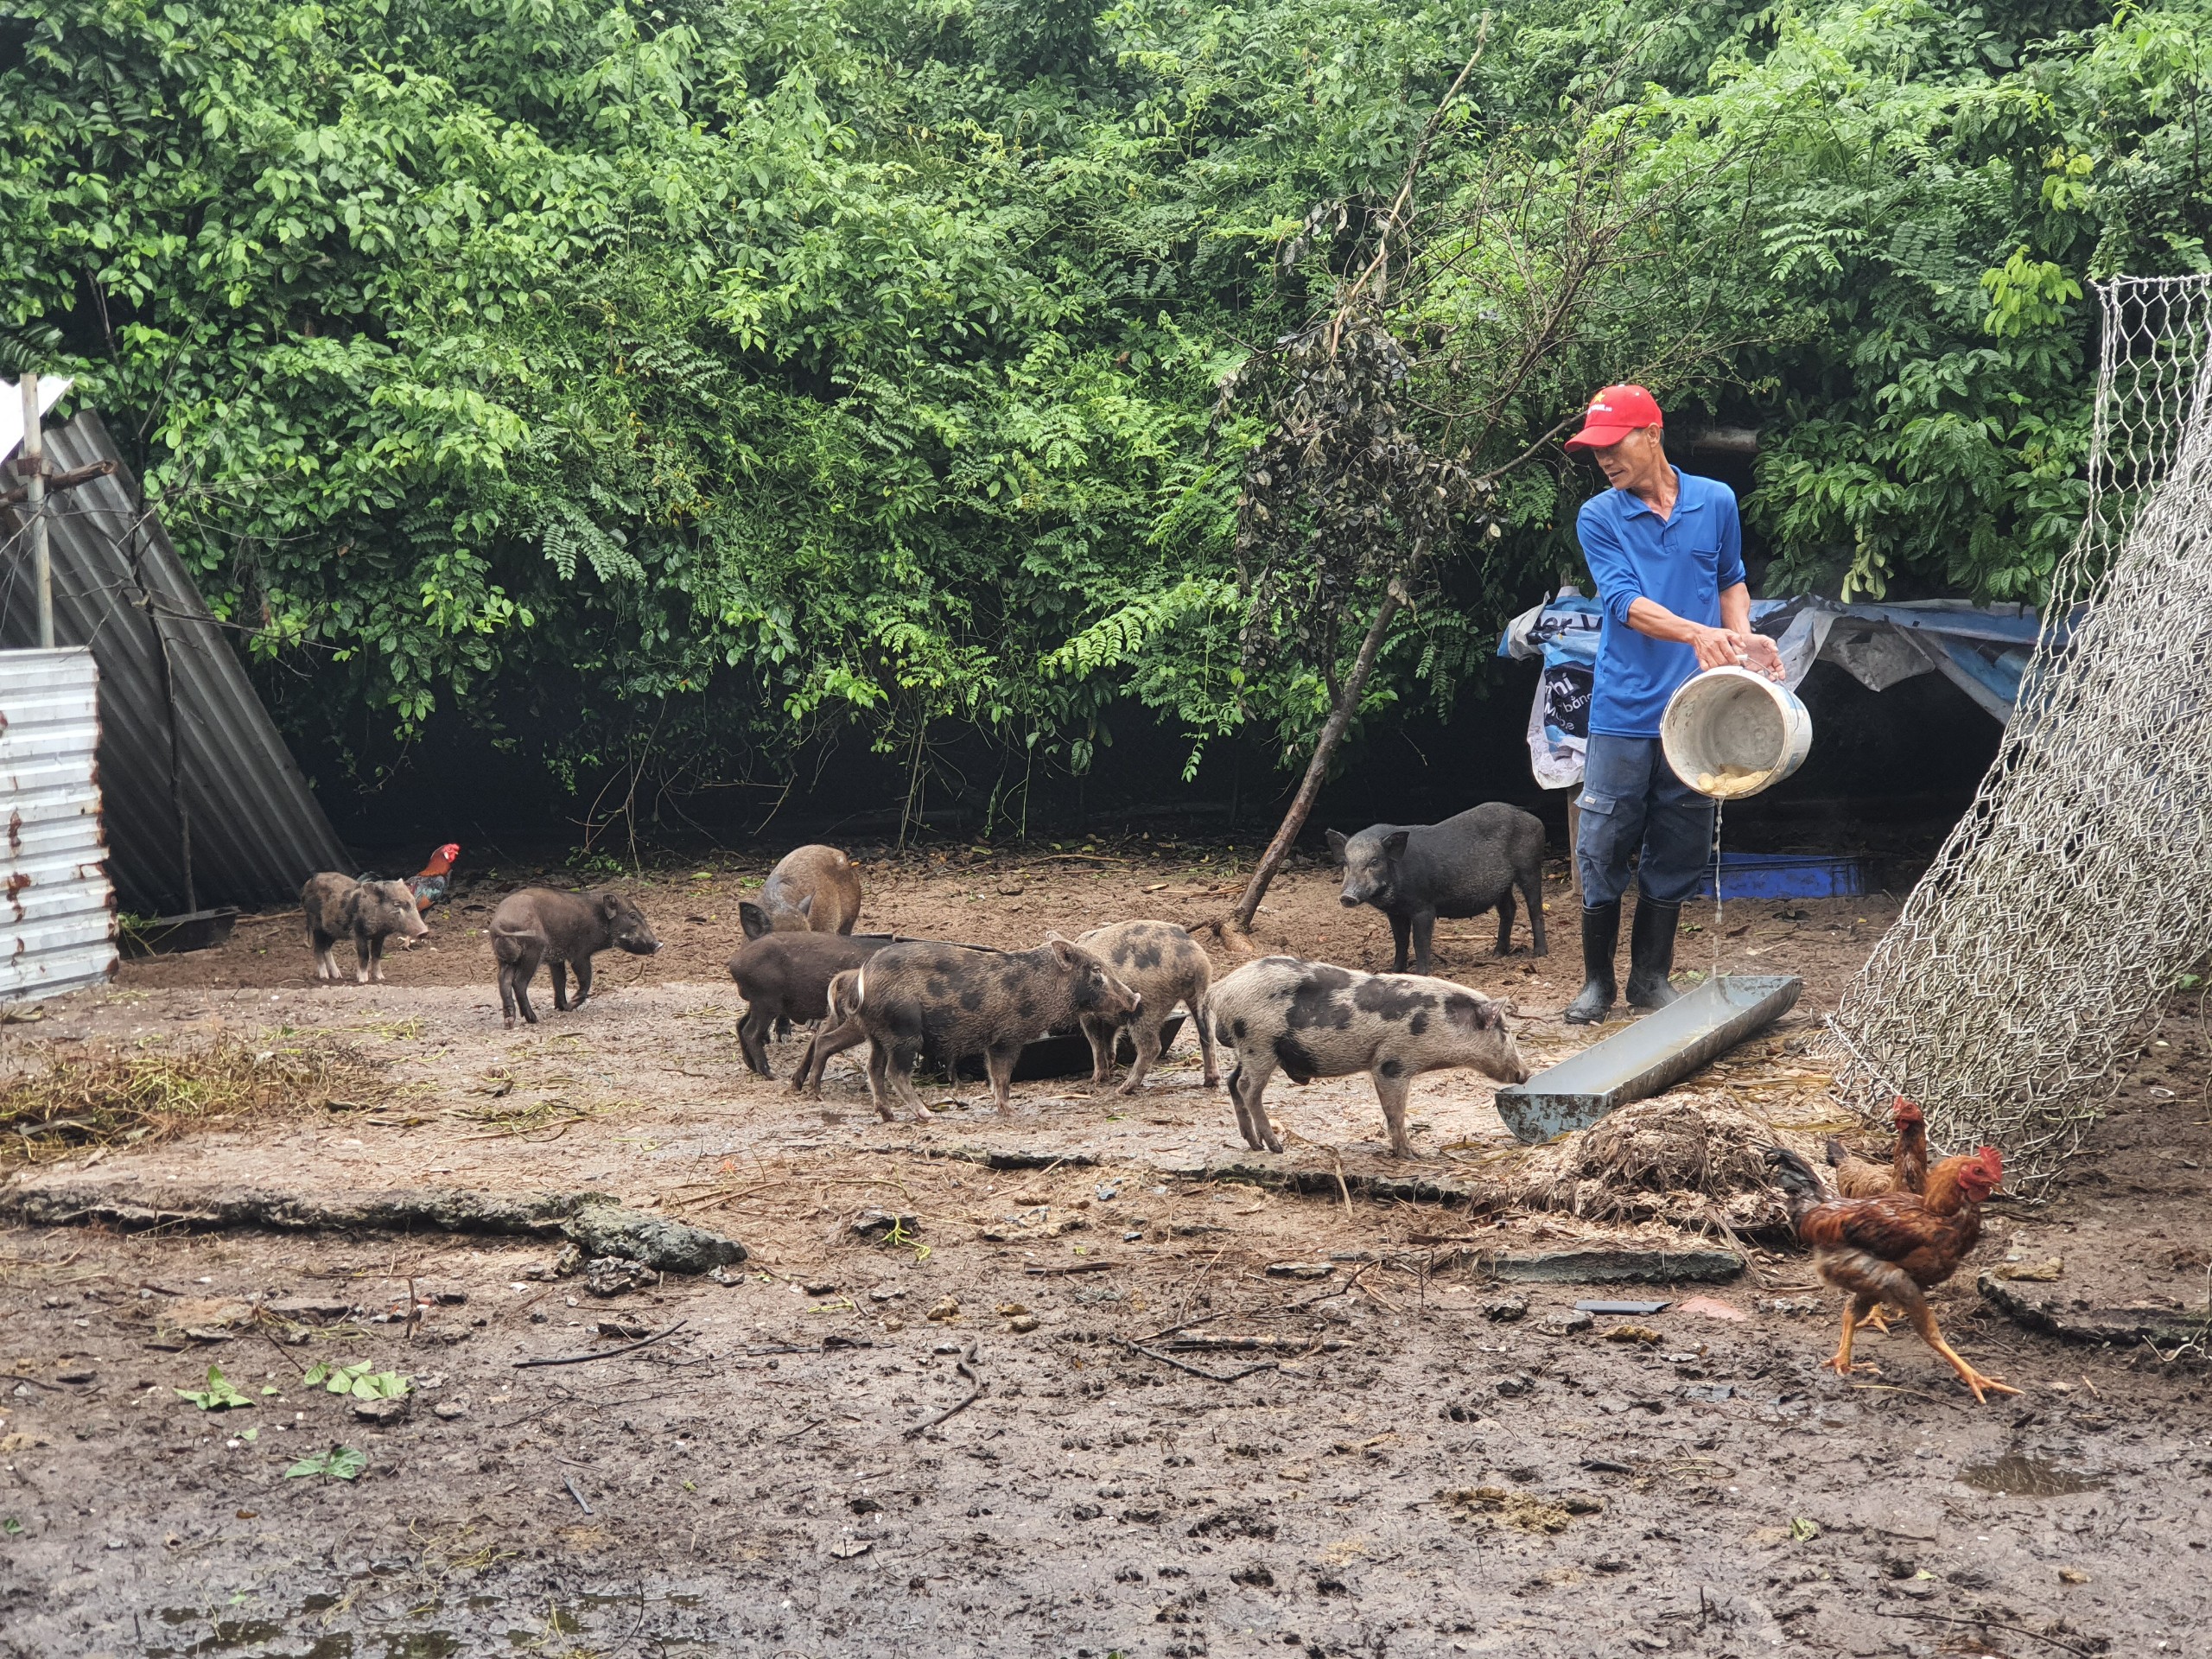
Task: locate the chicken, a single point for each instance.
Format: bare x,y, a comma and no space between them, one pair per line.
430,886
1893,1248
1857,1178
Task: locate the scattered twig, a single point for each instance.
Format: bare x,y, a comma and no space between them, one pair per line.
966,1368
605,1353
1992,1623
1071,1267
801,1434
1210,1376
569,1481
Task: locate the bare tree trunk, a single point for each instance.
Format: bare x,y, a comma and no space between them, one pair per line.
1325,746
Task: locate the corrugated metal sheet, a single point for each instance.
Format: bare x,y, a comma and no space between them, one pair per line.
205,805
57,913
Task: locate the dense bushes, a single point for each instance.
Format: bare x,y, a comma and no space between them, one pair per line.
693,381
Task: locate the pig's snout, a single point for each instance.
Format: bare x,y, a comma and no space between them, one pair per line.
1350,900
1516,1068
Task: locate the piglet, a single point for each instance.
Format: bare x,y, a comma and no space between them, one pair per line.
959,1000
785,976
1164,965
1316,1020
565,930
812,889
372,911
1468,864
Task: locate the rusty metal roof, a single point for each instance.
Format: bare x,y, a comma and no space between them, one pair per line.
204,803
57,915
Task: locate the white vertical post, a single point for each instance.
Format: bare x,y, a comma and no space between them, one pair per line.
35,507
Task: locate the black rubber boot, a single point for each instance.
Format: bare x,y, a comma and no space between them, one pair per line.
1601,936
1651,953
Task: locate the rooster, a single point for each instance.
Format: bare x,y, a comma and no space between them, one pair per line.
430,886
1858,1177
1892,1247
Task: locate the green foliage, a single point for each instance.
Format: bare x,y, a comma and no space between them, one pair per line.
676,388
361,1381
340,1462
220,1393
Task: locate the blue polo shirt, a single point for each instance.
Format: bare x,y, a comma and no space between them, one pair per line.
1683,562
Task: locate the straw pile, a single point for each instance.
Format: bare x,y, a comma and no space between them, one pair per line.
1690,1159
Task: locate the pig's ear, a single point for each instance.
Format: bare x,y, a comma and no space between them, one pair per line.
753,919
610,905
1393,844
1337,845
806,906
1062,951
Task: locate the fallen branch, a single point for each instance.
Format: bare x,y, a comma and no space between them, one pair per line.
965,1367
569,1481
1072,1267
604,1353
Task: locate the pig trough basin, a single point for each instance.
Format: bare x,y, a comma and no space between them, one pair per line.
1654,1054
1058,1054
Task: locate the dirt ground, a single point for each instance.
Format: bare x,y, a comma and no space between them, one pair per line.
1106,1397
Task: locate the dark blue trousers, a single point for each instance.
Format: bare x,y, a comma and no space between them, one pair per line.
1632,802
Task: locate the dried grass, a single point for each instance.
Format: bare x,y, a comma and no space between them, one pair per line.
1689,1159
150,1093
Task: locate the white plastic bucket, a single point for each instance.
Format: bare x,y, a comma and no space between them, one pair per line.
1729,732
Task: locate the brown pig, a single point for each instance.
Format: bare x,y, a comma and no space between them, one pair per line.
813,889
565,930
785,976
372,911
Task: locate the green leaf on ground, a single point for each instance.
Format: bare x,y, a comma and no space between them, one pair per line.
340,1462
220,1394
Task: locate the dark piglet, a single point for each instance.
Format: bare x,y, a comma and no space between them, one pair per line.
785,977
1468,864
1316,1020
564,930
812,889
960,1001
370,911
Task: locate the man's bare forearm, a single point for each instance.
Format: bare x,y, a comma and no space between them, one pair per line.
1654,621
1736,608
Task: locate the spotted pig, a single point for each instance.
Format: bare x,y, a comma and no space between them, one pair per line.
1165,966
959,1001
372,911
1316,1020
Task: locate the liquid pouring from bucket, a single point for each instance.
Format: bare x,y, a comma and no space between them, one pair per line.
1729,732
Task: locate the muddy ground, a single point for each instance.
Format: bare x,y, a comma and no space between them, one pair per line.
1188,1415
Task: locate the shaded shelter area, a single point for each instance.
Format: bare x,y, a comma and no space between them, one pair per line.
203,803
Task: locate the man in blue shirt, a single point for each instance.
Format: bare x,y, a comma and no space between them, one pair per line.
1666,549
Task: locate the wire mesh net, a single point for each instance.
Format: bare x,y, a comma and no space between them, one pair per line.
2027,967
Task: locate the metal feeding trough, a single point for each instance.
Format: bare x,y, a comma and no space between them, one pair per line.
1655,1054
1058,1054
199,930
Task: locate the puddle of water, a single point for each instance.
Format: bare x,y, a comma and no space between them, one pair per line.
2016,1475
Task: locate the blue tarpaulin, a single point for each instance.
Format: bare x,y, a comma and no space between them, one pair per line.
1981,649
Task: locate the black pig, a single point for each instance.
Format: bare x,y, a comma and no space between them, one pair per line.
565,930
1467,864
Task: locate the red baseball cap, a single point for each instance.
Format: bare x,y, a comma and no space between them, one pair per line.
1614,413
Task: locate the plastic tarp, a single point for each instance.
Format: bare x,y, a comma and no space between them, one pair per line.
1981,649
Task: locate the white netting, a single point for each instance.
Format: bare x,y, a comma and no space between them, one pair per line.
2015,985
